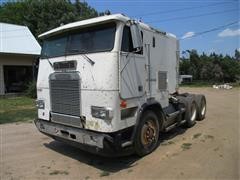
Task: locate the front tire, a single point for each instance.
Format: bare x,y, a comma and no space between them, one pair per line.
147,134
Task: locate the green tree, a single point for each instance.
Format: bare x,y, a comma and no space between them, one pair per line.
217,73
211,68
195,64
237,54
43,15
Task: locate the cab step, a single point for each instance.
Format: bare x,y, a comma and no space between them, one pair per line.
174,125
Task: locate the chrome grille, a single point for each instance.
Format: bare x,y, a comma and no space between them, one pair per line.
65,93
66,120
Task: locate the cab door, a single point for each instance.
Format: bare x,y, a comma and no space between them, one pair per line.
132,68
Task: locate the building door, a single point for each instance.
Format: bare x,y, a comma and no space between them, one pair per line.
16,78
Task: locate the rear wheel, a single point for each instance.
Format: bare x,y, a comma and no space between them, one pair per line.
147,134
201,106
191,111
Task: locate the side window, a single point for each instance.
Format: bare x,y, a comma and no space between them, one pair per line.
127,45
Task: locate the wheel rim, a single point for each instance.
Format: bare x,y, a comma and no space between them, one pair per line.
149,133
193,112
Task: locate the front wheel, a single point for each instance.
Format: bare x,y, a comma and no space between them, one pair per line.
147,134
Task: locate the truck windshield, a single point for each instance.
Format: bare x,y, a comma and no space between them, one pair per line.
89,40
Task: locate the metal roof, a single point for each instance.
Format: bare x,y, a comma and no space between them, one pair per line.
17,39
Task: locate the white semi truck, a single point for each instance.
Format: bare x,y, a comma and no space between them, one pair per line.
109,85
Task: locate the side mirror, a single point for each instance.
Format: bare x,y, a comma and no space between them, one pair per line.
136,37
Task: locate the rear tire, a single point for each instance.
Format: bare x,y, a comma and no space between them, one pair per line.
201,106
147,134
188,102
191,111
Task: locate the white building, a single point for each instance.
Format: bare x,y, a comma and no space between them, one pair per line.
18,51
185,79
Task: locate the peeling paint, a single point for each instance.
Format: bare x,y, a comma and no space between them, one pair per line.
90,124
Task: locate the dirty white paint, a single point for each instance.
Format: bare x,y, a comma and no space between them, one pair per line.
163,57
102,84
99,87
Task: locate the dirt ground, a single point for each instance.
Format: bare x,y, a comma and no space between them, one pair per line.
209,150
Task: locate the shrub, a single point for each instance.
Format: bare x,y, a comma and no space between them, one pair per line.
31,90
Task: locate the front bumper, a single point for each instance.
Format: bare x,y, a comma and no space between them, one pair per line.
106,144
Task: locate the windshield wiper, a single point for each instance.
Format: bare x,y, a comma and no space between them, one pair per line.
83,55
88,59
49,61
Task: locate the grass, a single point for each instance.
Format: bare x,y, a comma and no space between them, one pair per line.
167,143
197,84
209,137
195,136
17,109
130,170
56,172
104,173
207,84
186,146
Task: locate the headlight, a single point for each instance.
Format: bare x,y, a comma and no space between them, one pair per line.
40,104
102,112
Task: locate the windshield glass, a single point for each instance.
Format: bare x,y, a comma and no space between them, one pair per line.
95,39
54,47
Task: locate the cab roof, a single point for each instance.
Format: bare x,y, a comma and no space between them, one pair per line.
87,22
98,20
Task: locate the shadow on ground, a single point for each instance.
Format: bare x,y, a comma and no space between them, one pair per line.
171,134
113,164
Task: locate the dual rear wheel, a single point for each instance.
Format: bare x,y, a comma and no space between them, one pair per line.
201,106
195,108
147,132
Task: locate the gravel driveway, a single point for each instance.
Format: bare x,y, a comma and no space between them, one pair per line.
208,150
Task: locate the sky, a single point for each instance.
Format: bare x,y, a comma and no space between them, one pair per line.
185,19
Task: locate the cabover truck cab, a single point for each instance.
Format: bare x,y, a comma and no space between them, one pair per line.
109,85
